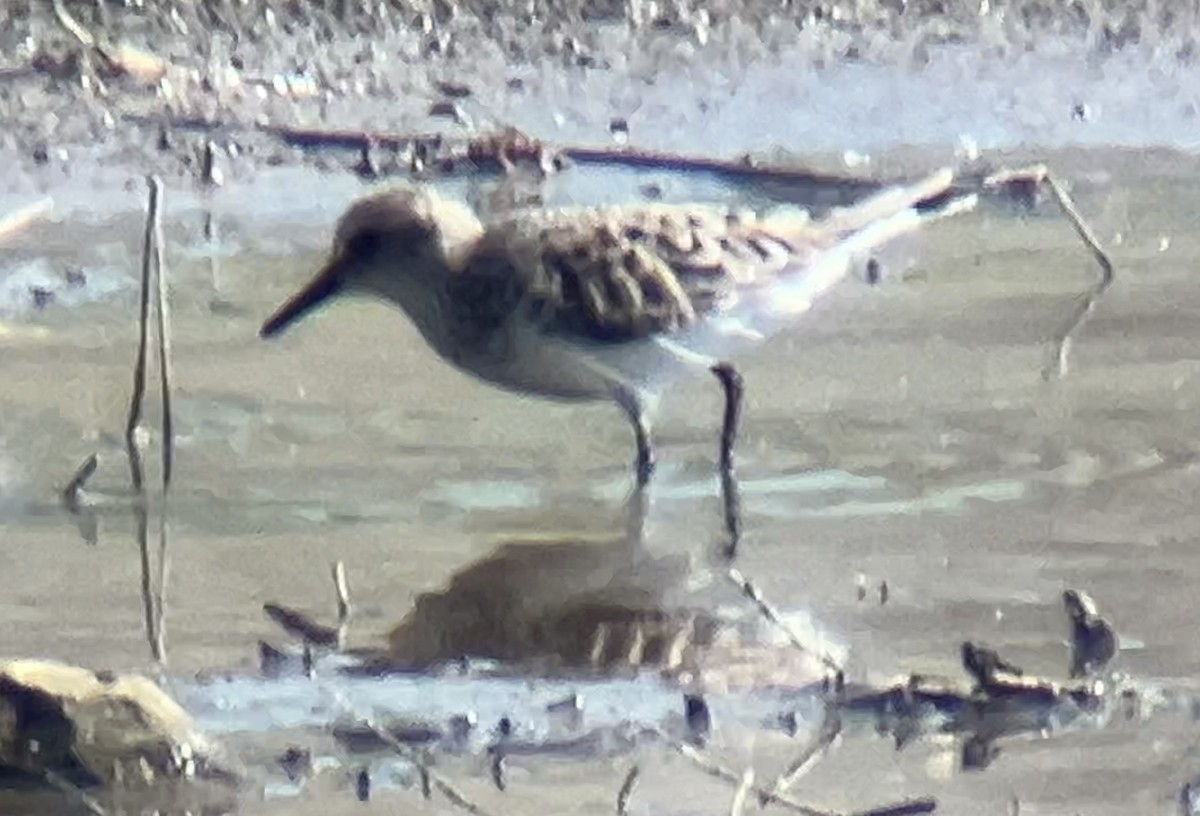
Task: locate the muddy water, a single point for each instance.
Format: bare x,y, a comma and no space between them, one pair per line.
901,433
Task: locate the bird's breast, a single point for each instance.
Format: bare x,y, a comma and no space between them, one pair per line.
520,359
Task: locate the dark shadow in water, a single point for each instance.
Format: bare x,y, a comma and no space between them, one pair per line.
576,602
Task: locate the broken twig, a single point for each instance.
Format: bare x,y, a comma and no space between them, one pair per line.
73,26
717,771
120,58
831,728
164,347
65,786
751,591
73,500
1040,174
301,626
738,805
71,494
626,791
152,265
912,807
308,631
167,445
139,368
210,179
500,151
344,609
434,780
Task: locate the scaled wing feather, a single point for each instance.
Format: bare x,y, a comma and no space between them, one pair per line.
616,275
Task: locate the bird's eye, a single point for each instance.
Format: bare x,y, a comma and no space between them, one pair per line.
364,244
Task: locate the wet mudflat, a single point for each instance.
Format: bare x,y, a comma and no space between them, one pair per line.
901,434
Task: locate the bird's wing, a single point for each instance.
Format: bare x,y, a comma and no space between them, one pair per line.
613,275
618,274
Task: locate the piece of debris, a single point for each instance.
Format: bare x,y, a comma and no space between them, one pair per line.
626,792
569,710
301,626
698,719
453,90
363,738
117,59
120,732
1093,640
618,128
367,168
449,110
984,664
297,763
362,785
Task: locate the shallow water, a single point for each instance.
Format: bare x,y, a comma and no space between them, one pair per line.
901,433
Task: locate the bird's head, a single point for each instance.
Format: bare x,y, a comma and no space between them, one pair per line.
384,243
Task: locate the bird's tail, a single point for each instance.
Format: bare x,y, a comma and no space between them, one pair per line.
848,235
852,233
898,209
841,240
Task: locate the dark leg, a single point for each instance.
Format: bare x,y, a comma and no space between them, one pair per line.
731,381
732,499
627,398
637,508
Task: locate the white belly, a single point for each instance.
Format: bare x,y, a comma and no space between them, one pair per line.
531,362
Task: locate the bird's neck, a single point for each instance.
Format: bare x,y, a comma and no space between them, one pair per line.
424,298
423,292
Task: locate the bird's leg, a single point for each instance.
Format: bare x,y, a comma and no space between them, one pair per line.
731,382
732,499
630,403
637,508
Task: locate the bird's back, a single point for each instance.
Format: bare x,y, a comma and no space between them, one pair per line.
614,275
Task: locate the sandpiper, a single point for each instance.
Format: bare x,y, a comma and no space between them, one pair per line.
603,303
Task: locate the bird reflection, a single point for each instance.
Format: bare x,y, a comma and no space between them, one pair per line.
570,602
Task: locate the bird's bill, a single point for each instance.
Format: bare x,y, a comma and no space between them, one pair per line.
324,285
